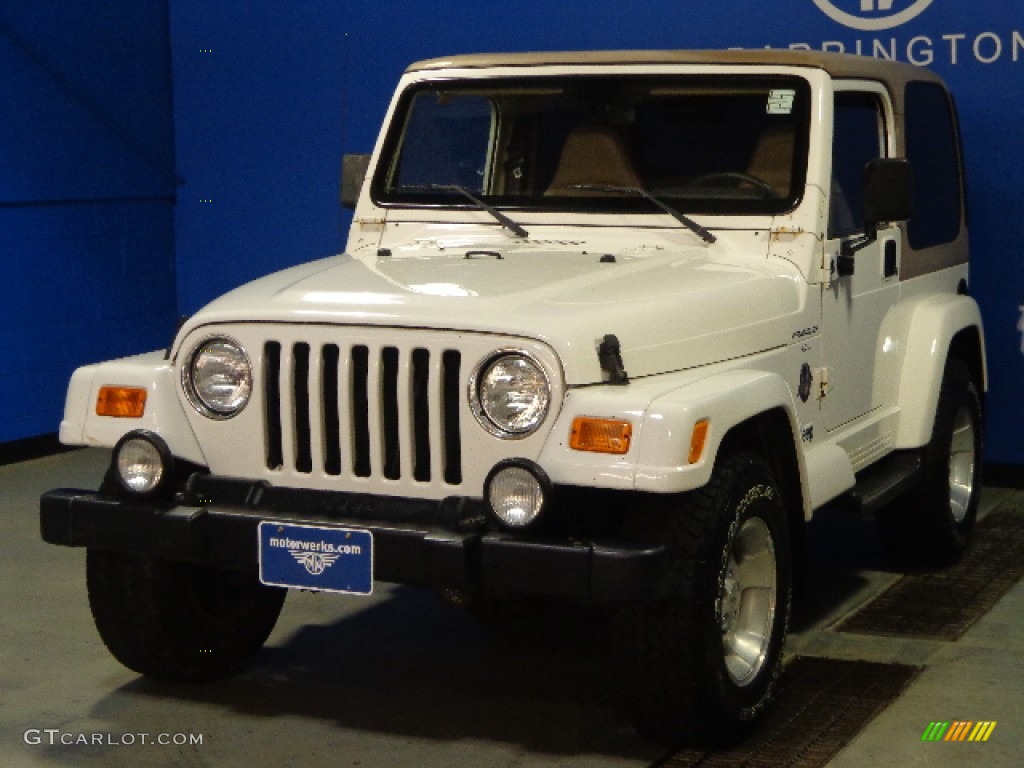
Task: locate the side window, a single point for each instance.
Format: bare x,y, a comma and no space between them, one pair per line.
933,151
447,141
859,137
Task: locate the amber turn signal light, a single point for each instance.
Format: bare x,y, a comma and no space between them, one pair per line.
600,435
698,437
121,402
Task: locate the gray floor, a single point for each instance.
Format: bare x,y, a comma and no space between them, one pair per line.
402,679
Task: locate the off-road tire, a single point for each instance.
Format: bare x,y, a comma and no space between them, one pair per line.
678,685
931,526
178,621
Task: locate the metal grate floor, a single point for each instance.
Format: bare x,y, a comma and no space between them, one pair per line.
821,705
942,605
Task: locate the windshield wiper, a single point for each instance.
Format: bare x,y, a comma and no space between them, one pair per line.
500,217
702,232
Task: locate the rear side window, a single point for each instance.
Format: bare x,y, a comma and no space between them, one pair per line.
933,151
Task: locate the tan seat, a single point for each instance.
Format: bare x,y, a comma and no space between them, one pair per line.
772,160
593,154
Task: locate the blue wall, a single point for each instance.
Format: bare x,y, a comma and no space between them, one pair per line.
258,106
86,196
268,97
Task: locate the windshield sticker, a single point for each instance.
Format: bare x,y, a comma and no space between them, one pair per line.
780,102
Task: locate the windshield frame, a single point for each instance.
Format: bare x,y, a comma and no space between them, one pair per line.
579,202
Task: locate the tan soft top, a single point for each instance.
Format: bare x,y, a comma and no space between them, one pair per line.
893,74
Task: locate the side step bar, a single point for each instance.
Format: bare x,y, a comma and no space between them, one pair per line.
881,484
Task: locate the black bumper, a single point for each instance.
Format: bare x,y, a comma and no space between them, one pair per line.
440,544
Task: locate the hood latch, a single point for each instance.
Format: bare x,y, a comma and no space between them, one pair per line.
609,353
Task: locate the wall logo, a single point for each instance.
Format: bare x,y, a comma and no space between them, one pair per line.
959,730
873,15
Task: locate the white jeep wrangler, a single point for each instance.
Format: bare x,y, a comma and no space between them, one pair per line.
609,328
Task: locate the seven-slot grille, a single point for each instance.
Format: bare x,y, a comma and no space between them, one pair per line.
363,410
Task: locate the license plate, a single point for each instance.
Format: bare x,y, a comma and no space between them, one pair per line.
316,557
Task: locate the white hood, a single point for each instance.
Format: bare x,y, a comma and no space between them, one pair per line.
669,310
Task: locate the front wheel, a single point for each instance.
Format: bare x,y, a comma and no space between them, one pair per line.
702,662
179,621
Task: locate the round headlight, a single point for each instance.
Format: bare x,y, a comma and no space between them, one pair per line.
511,395
142,462
218,378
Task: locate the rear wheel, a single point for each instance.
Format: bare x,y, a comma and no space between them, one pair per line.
179,621
932,525
702,662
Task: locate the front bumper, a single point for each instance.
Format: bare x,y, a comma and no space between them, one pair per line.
440,544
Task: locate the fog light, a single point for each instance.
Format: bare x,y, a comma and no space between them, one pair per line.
517,491
142,463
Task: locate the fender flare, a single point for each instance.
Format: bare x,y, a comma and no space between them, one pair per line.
726,400
163,413
933,324
663,419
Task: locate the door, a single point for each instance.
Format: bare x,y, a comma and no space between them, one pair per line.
853,306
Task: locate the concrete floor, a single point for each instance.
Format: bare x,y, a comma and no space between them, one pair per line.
402,679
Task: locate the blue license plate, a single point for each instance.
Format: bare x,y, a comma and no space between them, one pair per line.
316,557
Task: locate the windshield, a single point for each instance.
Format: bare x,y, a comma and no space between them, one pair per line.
709,144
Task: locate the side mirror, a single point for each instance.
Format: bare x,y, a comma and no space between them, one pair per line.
888,197
888,192
353,173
